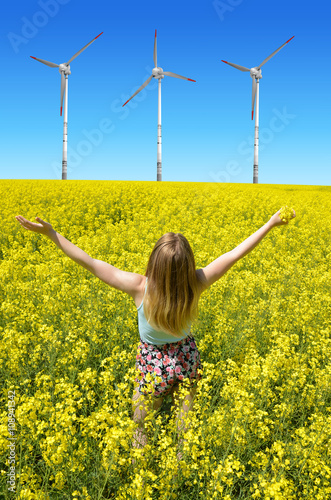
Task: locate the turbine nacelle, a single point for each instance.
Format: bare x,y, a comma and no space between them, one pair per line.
256,75
255,72
64,68
157,73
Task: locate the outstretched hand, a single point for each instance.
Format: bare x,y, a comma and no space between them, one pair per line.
275,220
42,228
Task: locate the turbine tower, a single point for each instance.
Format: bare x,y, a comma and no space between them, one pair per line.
64,70
158,73
256,74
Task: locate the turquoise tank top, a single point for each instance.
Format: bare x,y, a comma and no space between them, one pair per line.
151,336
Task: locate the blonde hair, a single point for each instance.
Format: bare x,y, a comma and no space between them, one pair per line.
172,295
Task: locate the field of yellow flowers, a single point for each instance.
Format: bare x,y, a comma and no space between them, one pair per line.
261,428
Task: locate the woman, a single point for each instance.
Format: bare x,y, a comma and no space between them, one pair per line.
166,298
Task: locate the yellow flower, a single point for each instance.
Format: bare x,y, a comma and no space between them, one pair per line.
286,213
68,344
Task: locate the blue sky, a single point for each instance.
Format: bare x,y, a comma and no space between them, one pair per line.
207,131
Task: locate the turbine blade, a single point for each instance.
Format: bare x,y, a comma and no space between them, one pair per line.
52,65
81,50
155,51
168,73
267,59
242,68
63,83
140,88
253,95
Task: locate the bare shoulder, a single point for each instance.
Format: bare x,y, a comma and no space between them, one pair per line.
202,280
125,281
139,291
217,268
138,283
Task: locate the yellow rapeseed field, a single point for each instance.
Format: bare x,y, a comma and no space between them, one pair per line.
261,428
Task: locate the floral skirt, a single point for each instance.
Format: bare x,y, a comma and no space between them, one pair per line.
161,367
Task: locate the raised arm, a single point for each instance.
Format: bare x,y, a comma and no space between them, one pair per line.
114,277
121,280
45,228
75,253
222,264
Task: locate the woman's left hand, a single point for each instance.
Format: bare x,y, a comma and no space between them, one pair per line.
42,228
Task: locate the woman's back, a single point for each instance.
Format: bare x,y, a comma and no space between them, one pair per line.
151,335
138,298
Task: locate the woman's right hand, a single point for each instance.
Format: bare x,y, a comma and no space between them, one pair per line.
275,220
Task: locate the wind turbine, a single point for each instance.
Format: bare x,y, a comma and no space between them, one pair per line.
256,74
64,70
158,73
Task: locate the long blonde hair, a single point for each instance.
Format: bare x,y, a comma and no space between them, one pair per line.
172,295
